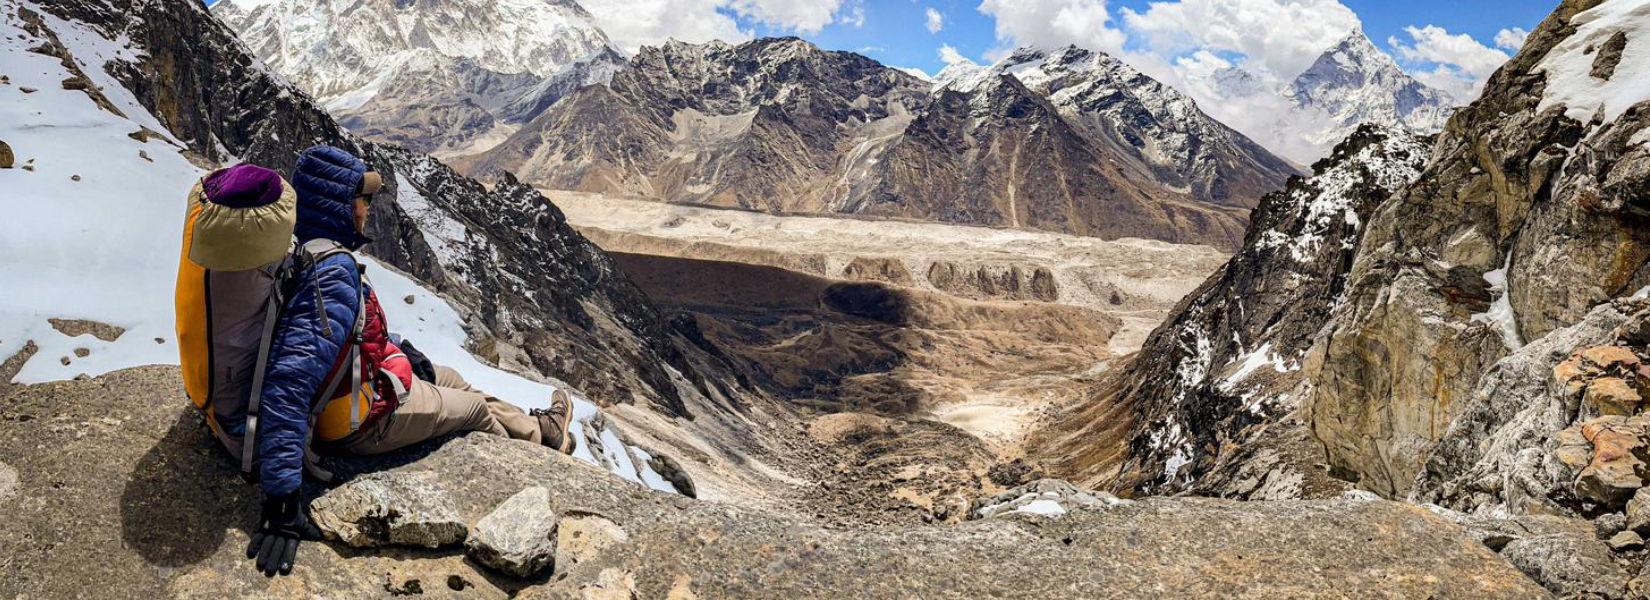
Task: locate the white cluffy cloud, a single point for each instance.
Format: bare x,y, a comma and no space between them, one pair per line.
1052,24
1511,40
1278,38
1462,62
949,55
632,24
854,15
936,21
803,16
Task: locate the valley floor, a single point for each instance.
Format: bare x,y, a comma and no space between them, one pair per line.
918,356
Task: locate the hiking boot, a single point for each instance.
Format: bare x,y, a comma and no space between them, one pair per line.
554,421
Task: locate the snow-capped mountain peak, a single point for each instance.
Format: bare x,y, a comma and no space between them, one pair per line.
432,75
1354,82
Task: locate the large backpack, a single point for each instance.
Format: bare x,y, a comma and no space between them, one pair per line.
236,254
233,282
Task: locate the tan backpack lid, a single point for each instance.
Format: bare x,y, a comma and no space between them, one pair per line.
237,238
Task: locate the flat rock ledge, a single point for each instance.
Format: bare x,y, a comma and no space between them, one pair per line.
134,501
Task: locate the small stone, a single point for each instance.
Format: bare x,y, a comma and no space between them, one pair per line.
408,509
144,154
74,178
64,360
6,156
1626,540
456,583
409,299
160,340
29,168
82,352
1610,524
673,472
27,90
8,482
1614,396
583,538
519,537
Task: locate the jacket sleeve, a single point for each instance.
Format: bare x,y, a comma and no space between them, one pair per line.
318,320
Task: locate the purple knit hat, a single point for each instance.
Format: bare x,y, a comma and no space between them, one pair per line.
243,186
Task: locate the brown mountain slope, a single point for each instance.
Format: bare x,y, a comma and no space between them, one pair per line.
782,126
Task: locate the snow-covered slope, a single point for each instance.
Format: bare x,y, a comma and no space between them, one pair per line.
450,75
94,218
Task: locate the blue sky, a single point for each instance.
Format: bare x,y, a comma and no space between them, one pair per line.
1453,44
895,31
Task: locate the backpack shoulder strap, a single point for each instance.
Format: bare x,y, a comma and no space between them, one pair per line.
266,339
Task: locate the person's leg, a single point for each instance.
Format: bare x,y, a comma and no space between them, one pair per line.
429,412
516,423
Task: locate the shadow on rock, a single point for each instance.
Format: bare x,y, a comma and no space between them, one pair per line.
182,496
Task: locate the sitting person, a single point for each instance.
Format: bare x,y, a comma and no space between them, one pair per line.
335,376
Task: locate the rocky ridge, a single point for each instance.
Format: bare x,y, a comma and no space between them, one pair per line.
1526,219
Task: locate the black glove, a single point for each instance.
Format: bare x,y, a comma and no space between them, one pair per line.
284,521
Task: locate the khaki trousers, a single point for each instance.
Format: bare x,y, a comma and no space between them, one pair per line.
449,405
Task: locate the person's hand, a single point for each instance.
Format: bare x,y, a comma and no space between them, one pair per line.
284,521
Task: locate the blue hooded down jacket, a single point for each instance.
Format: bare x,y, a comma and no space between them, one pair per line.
318,318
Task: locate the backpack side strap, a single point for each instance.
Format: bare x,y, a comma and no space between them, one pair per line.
272,314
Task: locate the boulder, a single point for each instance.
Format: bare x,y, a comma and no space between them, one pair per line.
1638,511
1608,525
519,537
7,158
404,509
1620,460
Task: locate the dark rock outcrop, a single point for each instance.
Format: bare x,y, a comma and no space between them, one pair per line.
1212,392
1525,221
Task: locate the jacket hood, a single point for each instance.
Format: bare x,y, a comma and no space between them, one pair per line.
326,180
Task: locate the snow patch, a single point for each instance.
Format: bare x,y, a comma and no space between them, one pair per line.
1500,315
1252,361
1569,65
